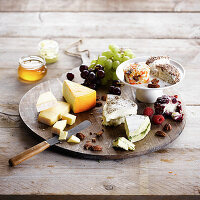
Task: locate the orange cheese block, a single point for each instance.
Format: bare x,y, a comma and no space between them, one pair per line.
79,97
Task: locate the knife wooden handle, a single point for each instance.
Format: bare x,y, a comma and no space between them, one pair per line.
28,153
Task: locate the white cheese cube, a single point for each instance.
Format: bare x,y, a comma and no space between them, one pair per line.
63,135
59,126
123,143
73,139
70,118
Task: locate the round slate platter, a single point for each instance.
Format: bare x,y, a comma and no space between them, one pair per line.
151,143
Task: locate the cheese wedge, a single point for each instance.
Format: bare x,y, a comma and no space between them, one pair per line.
70,118
59,126
74,139
123,143
137,127
45,101
63,135
52,115
116,108
79,97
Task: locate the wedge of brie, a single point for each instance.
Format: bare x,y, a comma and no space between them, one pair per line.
137,127
116,108
123,143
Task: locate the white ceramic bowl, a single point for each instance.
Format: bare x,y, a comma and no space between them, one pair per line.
143,93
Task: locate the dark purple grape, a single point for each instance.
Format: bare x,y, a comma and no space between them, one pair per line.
116,83
84,74
91,76
117,91
83,67
70,76
92,86
100,74
99,67
98,81
111,89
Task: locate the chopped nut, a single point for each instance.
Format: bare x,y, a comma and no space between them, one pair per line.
153,86
98,104
97,98
94,140
90,133
160,133
167,127
88,145
100,133
155,81
96,148
81,136
103,98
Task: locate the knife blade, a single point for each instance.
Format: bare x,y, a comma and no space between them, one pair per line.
45,144
76,129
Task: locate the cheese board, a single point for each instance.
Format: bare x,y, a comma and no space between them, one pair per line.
150,143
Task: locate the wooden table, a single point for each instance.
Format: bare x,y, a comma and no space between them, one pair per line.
168,27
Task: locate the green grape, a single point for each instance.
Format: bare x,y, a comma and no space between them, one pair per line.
114,48
101,60
125,58
129,53
104,81
115,65
93,61
108,64
108,54
114,76
91,66
117,56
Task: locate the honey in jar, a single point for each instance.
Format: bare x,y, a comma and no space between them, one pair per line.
32,68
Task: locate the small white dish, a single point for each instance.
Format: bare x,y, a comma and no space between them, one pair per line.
143,93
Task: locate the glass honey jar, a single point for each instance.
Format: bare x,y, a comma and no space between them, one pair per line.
32,68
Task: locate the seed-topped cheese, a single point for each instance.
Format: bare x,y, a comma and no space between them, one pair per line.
116,108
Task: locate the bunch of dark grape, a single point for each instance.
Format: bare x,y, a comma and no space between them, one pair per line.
115,88
92,76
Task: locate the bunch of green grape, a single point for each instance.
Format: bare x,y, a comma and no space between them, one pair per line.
110,60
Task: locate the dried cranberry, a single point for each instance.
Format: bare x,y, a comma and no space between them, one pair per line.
174,100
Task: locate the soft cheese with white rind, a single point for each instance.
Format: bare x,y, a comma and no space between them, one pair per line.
116,108
63,135
137,127
74,139
45,101
70,118
123,143
53,114
59,126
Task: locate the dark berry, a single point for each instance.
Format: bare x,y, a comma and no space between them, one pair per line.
91,76
84,74
98,82
174,100
100,74
70,76
117,91
91,70
83,67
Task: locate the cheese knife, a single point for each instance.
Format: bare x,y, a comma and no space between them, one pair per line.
45,144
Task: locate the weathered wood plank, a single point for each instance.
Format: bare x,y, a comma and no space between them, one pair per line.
167,172
106,25
100,5
183,50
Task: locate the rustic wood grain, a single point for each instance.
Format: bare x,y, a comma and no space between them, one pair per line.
108,25
100,5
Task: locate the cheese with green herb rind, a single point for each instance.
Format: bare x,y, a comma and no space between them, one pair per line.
123,143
